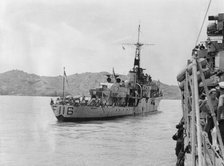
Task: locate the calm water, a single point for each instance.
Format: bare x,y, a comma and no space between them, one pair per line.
31,136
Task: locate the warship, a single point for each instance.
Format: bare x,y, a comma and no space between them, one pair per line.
200,134
139,94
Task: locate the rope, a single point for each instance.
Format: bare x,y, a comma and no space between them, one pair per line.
204,135
203,22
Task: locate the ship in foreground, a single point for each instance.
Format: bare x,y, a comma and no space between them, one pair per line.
200,135
114,98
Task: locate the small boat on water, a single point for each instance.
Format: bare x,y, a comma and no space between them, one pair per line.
114,98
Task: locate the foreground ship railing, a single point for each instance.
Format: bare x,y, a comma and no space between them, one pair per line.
200,132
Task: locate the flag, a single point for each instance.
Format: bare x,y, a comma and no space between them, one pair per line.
65,76
113,73
115,76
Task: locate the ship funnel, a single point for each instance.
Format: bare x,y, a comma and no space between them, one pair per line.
132,78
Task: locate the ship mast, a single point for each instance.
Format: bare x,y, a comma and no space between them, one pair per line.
137,68
137,52
63,84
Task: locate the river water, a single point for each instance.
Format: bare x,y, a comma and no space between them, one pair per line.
31,136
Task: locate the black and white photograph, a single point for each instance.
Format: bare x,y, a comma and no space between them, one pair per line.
111,83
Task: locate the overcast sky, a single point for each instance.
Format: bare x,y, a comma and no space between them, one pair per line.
42,36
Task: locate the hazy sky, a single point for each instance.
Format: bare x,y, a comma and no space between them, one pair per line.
42,36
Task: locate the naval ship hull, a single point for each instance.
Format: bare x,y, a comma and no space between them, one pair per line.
85,112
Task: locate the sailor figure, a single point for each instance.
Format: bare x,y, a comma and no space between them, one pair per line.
52,102
220,113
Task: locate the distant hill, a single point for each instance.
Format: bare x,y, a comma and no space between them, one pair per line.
16,82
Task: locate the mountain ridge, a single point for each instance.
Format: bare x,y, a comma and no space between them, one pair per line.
18,82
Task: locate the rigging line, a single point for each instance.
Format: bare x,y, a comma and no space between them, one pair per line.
203,22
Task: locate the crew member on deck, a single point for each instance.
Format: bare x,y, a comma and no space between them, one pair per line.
52,101
205,109
220,113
